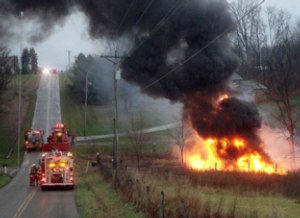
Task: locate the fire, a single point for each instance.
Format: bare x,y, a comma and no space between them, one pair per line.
225,136
223,97
215,155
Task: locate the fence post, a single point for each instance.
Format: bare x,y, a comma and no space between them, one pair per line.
162,202
185,211
147,198
98,158
4,168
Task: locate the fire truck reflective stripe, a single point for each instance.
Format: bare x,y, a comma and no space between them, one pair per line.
25,203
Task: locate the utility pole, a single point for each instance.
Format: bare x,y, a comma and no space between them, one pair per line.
85,102
69,56
115,60
20,89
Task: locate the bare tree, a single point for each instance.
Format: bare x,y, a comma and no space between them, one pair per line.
249,36
137,135
8,67
284,71
180,135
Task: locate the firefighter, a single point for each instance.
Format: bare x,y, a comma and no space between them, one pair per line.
33,174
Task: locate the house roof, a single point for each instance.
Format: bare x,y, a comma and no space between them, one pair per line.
235,77
252,84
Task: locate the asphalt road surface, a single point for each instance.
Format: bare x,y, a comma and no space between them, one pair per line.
18,199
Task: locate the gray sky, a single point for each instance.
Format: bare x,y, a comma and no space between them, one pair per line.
74,36
293,6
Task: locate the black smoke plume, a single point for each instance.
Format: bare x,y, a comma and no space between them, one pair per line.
164,34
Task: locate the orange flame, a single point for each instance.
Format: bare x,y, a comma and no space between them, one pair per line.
223,97
209,158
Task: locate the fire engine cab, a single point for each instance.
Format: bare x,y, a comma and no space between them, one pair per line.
57,170
34,139
59,139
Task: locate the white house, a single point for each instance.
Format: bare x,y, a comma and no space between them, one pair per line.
250,90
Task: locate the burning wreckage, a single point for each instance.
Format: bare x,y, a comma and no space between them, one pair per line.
179,51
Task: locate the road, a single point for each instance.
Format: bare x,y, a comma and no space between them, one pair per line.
148,130
18,199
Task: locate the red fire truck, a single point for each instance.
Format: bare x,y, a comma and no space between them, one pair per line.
59,139
56,170
34,139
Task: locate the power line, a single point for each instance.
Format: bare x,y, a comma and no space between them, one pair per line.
160,23
122,21
125,16
204,47
144,12
167,16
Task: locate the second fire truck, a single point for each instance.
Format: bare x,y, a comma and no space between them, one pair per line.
59,139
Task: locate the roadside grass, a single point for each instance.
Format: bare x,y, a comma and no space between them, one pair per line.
4,179
9,120
96,198
9,117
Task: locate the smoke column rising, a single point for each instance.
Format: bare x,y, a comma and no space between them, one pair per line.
169,32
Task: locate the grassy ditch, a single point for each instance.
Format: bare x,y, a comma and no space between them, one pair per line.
96,198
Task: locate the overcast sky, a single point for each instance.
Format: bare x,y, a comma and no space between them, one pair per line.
74,36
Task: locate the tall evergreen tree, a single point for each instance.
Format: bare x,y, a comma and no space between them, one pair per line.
25,59
99,87
33,61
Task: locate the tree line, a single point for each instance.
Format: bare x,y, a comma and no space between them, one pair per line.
29,61
267,42
91,80
9,65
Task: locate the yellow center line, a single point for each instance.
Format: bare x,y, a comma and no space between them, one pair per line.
25,203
